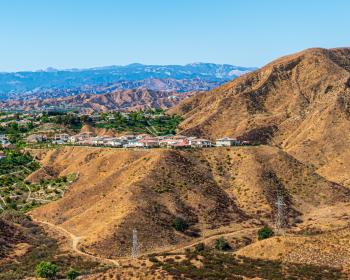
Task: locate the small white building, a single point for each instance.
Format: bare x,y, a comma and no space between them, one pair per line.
64,137
114,142
226,142
135,143
200,143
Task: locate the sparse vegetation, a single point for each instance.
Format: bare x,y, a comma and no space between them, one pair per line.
226,266
222,245
43,249
73,274
265,232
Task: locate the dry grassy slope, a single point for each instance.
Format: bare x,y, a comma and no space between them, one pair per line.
328,249
119,190
302,100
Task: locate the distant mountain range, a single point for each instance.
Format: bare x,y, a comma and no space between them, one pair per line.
53,83
121,100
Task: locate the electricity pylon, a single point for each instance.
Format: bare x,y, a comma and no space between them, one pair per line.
279,223
134,244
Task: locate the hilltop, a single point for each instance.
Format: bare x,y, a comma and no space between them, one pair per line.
300,103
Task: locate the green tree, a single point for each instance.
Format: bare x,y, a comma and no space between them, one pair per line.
179,224
222,245
72,274
46,270
265,232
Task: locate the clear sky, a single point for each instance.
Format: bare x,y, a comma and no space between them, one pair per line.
36,34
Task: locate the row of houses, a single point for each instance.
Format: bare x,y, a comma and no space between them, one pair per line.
144,141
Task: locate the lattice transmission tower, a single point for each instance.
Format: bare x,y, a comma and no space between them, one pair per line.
134,244
280,217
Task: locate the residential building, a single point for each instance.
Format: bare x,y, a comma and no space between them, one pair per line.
226,142
200,143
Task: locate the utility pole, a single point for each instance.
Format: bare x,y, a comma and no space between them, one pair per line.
134,244
279,223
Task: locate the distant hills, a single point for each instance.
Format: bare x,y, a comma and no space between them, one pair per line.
53,83
121,100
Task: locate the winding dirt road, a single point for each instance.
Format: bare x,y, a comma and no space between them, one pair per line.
75,243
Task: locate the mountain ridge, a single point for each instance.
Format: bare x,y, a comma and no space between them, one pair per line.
29,84
299,102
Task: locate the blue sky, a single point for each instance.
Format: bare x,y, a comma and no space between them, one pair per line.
84,33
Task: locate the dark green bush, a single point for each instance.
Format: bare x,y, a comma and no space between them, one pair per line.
72,274
200,247
46,270
179,224
222,245
265,232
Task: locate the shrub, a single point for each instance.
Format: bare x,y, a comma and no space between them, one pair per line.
265,232
200,247
46,270
222,245
72,274
179,224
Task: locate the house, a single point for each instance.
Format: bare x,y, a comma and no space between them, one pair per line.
200,143
181,144
63,137
134,143
150,142
114,142
226,142
81,138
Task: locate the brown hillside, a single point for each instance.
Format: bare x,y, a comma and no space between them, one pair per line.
299,102
215,190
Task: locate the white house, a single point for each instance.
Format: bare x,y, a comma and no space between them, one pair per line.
133,144
226,142
200,143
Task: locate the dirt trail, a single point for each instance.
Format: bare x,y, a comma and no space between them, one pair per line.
75,242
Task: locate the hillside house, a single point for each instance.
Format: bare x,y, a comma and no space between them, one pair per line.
114,142
133,143
64,137
200,143
226,142
150,142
